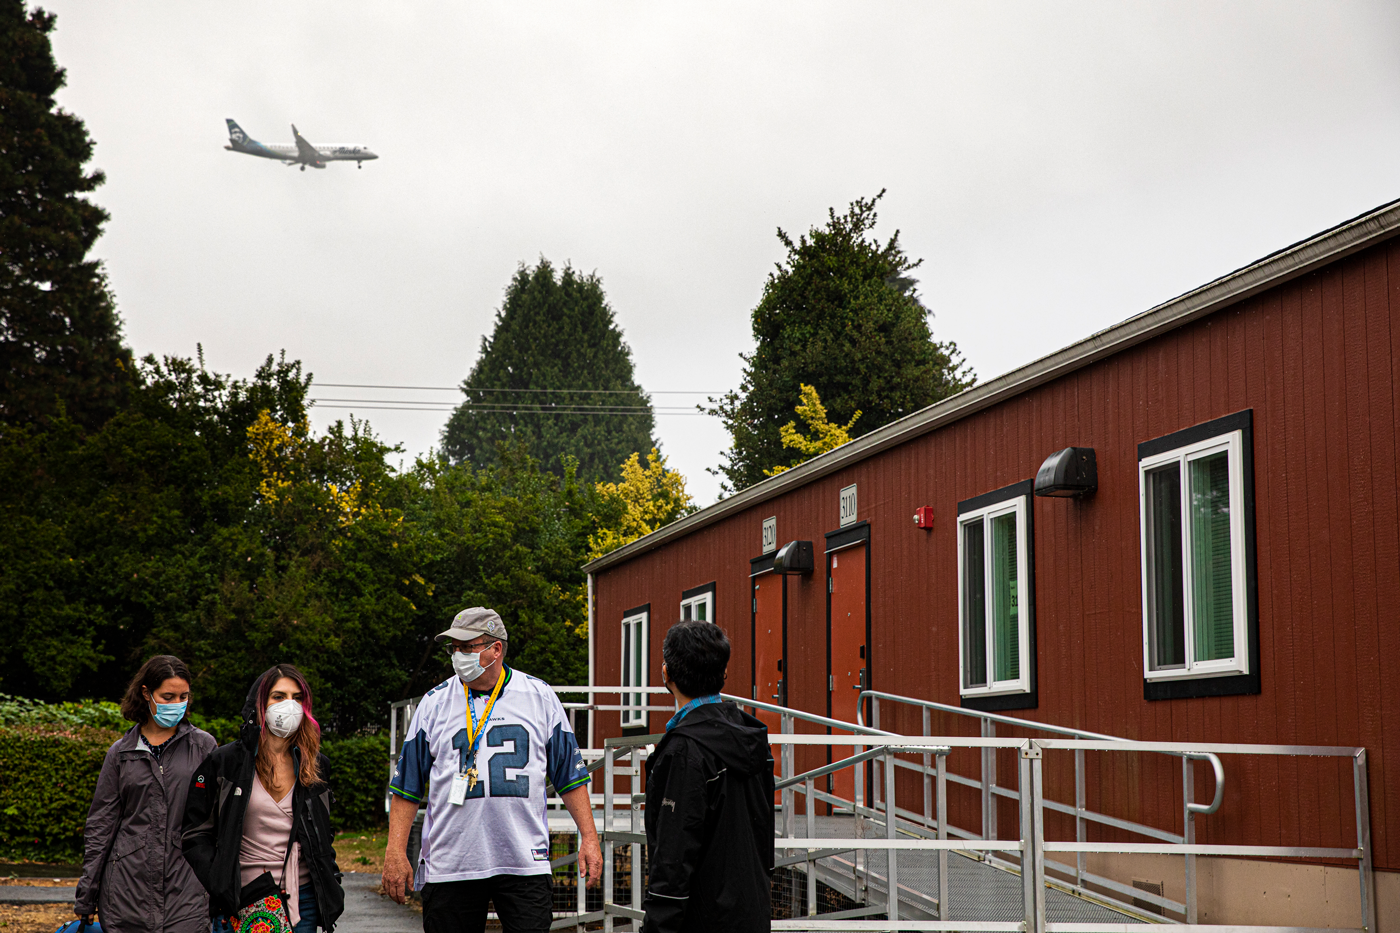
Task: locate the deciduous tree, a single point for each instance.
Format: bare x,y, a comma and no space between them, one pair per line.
646,499
825,435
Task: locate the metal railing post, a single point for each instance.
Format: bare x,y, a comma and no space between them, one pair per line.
635,810
607,839
928,779
989,782
785,771
1028,894
789,804
893,862
1188,780
1367,868
876,764
811,862
1037,836
1079,815
942,759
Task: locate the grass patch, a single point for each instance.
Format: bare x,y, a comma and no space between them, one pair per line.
361,850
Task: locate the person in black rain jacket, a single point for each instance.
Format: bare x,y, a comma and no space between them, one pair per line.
709,800
219,796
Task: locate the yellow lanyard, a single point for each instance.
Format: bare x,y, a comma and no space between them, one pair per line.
473,731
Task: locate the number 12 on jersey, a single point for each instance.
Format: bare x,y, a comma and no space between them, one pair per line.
501,785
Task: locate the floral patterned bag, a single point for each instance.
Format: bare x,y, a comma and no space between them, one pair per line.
264,907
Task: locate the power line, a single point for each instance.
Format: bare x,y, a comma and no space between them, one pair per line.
507,405
504,406
625,413
360,385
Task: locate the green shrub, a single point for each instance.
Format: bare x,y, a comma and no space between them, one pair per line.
224,729
51,755
359,775
50,774
100,714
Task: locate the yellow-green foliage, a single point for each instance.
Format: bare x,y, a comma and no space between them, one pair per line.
50,774
825,435
647,498
282,452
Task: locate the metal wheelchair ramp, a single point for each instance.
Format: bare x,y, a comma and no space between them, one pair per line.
978,890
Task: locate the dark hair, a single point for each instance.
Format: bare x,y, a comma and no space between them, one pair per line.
696,655
308,734
153,673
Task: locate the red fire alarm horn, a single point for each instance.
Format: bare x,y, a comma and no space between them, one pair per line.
923,516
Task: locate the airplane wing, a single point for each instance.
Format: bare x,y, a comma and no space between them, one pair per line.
305,151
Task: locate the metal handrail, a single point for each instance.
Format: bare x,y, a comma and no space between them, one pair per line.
1215,762
1192,807
857,728
1079,811
1032,845
835,766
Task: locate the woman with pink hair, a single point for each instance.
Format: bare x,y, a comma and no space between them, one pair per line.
257,822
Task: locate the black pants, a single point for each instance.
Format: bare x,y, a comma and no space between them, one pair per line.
525,904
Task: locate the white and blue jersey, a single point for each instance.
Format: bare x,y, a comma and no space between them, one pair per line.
501,828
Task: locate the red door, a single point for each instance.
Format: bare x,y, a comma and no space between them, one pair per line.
768,651
848,650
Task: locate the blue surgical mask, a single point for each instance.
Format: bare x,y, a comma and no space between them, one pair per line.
169,714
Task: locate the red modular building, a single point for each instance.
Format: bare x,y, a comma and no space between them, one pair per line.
1218,561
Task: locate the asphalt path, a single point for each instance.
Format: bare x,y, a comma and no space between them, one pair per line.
365,910
368,912
24,894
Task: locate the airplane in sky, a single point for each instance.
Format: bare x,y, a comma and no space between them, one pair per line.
303,153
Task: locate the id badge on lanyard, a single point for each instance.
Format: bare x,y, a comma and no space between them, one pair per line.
458,794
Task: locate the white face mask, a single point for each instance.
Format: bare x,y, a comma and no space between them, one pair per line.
284,718
468,666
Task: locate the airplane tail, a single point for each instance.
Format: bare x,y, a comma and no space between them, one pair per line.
235,133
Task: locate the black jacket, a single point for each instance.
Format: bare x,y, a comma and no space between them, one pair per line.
213,827
709,816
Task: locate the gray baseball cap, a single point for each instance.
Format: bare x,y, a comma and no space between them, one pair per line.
473,623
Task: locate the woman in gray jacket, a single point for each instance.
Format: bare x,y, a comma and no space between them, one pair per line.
134,874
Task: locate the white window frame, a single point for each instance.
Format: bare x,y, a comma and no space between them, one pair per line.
634,641
1233,444
993,687
706,599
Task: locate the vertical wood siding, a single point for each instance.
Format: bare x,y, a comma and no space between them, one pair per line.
1315,359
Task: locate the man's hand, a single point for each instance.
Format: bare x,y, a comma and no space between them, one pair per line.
398,875
591,858
398,871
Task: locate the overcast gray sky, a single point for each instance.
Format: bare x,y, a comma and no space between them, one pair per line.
1059,167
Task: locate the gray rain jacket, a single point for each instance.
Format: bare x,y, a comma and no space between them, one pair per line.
134,874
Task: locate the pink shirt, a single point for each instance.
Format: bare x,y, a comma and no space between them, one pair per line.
267,826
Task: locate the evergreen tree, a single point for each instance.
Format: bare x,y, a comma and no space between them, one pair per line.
841,315
553,333
60,338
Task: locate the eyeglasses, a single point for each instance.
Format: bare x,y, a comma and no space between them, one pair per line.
472,647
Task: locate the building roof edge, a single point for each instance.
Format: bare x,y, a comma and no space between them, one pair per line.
1274,269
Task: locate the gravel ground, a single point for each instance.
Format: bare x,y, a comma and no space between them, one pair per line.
34,918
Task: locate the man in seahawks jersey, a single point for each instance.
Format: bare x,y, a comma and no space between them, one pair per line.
479,751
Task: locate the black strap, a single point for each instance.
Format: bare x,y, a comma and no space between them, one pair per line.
291,840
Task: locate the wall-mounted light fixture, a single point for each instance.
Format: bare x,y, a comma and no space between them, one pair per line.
794,557
1067,473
